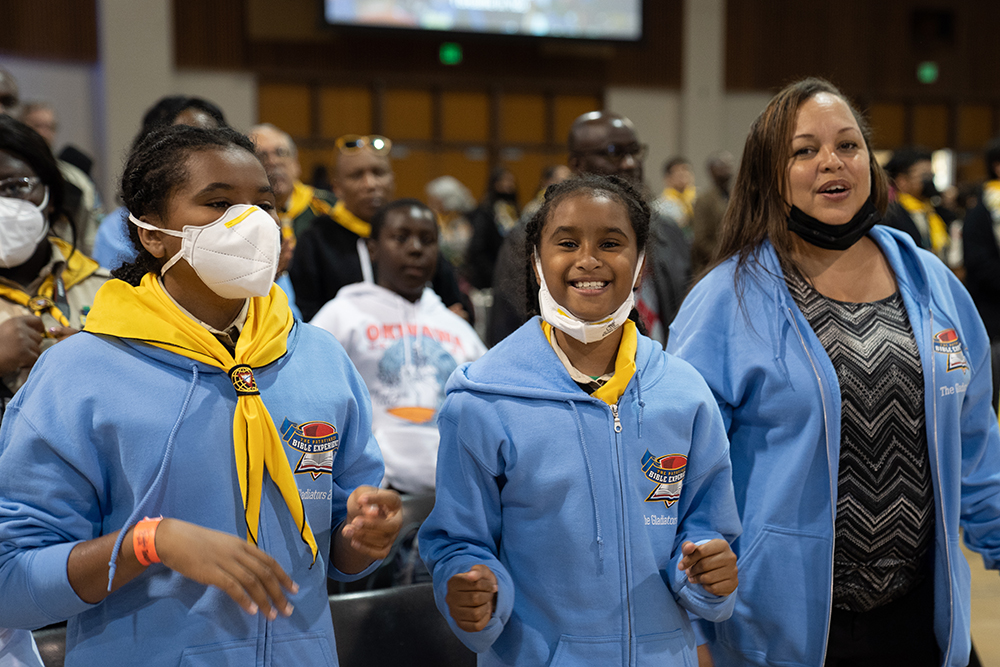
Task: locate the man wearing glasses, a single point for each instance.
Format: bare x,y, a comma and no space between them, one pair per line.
603,142
299,204
332,253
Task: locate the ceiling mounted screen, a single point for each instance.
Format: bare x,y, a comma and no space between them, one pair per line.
614,20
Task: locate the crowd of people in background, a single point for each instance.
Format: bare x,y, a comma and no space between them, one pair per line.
712,269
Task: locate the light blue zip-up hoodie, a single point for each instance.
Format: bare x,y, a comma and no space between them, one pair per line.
87,448
780,399
534,481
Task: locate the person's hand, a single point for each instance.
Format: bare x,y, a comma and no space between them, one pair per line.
20,343
230,563
374,517
712,564
459,310
472,598
61,333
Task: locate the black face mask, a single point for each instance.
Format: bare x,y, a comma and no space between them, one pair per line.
834,237
928,190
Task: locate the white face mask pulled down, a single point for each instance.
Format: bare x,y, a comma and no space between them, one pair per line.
22,227
571,325
235,256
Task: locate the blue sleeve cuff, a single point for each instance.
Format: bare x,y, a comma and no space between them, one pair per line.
695,598
48,585
478,642
337,575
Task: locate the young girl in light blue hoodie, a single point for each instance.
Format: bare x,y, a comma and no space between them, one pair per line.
584,499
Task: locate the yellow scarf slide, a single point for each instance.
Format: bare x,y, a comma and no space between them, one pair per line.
78,267
147,314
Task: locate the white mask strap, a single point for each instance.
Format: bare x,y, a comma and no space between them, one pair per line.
169,232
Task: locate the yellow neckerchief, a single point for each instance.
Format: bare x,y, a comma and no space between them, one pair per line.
991,197
77,267
613,389
147,314
348,220
299,200
303,196
684,199
936,228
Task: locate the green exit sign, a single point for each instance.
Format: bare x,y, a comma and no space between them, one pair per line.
450,53
927,72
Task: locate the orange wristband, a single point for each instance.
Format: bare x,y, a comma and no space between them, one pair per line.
144,540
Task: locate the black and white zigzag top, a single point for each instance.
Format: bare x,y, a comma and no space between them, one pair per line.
885,502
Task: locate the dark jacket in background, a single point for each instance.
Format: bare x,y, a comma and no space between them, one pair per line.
326,258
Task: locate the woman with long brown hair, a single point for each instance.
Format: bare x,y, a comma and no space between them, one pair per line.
853,374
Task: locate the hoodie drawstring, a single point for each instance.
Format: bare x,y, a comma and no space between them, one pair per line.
590,474
640,402
157,481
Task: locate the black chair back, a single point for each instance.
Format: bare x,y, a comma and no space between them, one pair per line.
393,627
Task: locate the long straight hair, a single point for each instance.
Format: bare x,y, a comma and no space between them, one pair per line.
757,209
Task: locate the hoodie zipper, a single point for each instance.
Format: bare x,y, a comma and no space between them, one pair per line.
621,496
833,509
944,518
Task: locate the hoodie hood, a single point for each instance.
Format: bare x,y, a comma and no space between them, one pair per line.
502,369
386,297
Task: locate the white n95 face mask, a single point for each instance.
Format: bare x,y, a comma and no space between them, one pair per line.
235,256
570,324
22,227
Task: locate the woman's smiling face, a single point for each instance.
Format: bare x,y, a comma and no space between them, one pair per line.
829,173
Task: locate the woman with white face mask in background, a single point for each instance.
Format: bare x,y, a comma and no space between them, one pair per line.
46,286
187,502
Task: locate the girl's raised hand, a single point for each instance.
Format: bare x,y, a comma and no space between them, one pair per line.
472,597
712,564
230,563
374,517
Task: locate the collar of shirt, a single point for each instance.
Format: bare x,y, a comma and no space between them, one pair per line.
227,336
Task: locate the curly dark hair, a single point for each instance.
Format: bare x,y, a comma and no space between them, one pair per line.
615,187
154,169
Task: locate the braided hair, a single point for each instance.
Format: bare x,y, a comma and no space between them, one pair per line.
156,167
594,185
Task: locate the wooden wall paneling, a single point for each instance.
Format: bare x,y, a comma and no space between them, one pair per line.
414,168
657,59
888,123
408,114
287,105
465,116
471,167
982,57
566,109
344,110
527,165
930,125
209,34
310,158
523,118
51,29
975,126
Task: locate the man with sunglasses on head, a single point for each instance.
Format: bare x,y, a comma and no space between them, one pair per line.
332,252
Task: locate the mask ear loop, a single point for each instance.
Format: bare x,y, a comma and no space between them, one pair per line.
169,232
